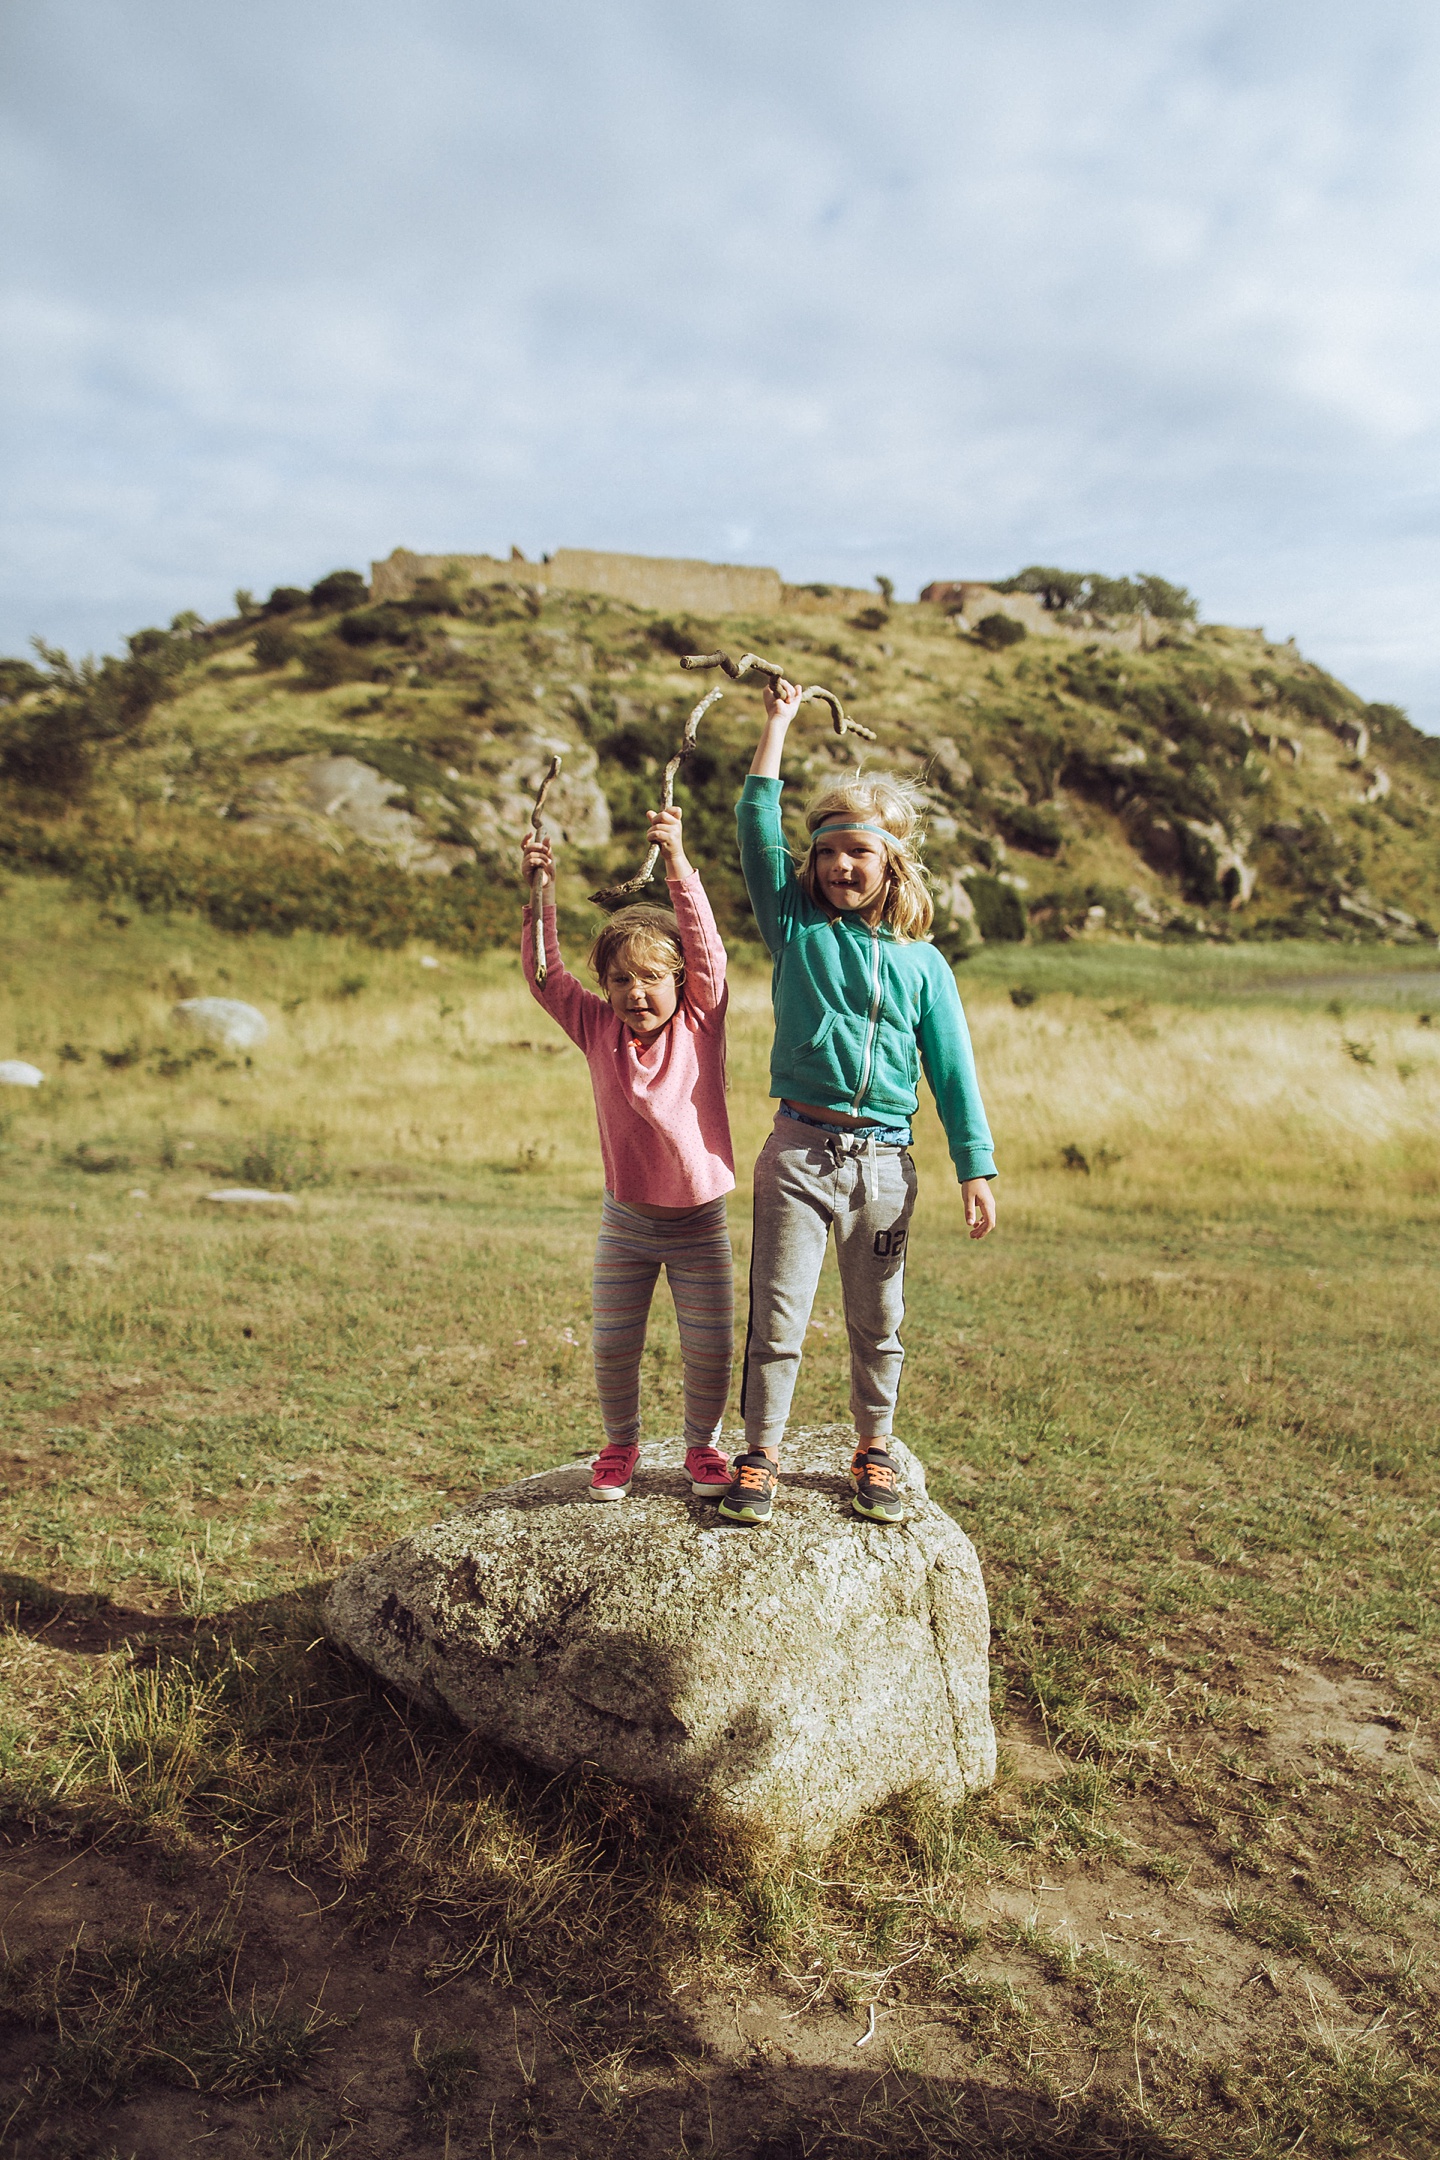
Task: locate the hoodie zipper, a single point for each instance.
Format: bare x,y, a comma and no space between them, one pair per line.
869,1051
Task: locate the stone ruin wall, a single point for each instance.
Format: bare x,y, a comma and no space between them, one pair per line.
646,581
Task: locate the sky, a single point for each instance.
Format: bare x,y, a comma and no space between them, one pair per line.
925,289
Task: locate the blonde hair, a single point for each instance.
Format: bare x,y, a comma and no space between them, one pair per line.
643,933
894,805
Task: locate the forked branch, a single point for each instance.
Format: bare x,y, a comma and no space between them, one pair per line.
609,894
537,877
815,695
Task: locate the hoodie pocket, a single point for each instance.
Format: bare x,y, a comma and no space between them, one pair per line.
818,1040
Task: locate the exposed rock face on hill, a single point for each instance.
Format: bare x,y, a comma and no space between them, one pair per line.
325,799
791,1677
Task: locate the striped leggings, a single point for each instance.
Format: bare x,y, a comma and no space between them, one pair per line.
694,1251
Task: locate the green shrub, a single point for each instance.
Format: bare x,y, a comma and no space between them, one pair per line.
999,910
995,632
88,704
329,660
388,624
681,634
19,679
1054,589
287,600
274,646
339,589
1037,831
267,882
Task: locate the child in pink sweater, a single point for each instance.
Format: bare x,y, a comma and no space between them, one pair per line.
655,1043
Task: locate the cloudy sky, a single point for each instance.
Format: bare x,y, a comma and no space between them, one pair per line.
924,288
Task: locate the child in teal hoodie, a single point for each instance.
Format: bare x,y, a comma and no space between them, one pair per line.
862,1006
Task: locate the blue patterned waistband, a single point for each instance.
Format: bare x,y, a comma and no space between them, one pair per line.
882,1135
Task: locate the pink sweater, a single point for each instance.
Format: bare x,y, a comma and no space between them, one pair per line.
664,1131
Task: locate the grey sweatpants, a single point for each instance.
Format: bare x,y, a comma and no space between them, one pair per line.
808,1182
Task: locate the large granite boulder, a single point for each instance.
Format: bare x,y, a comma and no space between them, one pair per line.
792,1675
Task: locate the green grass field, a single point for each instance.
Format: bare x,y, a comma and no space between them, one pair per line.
1184,1402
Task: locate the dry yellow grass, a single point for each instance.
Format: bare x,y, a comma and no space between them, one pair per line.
386,1059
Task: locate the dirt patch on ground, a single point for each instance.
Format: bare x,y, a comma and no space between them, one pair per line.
1310,1709
1076,1981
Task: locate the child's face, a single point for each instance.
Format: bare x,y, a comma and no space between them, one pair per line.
852,870
643,995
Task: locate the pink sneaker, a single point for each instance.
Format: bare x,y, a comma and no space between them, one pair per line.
707,1469
614,1468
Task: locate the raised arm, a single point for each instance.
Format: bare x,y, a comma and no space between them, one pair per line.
699,937
567,1001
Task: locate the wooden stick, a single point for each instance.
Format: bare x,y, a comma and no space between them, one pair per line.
537,878
815,695
609,894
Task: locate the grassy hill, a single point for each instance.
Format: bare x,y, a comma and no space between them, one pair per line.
1214,785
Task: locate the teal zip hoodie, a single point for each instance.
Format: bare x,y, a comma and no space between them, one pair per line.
858,1012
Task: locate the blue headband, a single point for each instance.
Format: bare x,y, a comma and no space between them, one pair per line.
848,825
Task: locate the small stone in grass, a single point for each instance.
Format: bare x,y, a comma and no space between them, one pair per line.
14,1072
252,1196
229,1022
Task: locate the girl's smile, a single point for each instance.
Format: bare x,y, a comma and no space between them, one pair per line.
852,871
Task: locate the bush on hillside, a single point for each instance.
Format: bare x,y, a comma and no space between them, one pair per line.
89,704
1091,592
1039,832
681,634
329,660
287,600
1054,589
272,885
50,750
19,679
995,632
339,589
387,624
999,910
274,646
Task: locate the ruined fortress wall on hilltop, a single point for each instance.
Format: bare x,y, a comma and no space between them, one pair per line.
646,581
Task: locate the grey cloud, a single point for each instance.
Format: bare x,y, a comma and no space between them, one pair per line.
1148,286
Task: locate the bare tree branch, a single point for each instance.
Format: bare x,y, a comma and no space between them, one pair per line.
609,894
815,695
537,877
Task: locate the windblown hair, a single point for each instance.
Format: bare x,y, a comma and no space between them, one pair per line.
877,799
643,936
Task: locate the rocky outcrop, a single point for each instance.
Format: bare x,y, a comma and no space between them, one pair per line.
501,794
788,1677
335,799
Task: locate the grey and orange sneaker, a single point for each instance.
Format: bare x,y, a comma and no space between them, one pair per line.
613,1469
751,1490
875,1485
708,1470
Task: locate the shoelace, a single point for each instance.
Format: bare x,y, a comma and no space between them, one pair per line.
754,1474
877,1473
